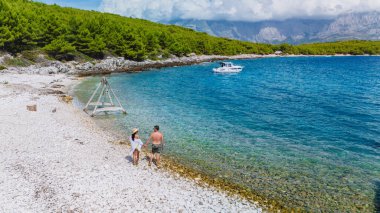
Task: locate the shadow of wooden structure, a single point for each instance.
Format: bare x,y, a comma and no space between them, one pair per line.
105,100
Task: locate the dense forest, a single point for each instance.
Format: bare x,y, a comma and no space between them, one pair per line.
64,33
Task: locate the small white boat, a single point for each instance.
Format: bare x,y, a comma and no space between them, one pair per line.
228,67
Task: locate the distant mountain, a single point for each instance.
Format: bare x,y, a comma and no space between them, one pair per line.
363,26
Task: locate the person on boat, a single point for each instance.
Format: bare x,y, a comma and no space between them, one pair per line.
136,145
158,143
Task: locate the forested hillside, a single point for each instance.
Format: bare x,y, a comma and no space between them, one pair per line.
66,32
331,48
60,31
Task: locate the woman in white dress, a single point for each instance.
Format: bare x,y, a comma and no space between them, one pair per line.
136,144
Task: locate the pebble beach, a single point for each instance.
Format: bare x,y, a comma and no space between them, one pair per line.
56,159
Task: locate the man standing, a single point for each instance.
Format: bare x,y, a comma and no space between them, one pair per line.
157,145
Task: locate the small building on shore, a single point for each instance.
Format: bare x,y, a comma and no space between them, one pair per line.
278,52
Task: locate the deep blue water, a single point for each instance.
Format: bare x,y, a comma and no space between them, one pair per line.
304,131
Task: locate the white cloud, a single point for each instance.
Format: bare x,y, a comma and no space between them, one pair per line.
241,10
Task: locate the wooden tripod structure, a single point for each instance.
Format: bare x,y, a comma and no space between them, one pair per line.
105,101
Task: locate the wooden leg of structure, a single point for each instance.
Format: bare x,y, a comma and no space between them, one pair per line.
102,104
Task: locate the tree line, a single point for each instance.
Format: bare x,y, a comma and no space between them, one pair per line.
65,32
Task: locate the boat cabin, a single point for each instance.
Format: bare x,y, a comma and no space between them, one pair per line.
226,64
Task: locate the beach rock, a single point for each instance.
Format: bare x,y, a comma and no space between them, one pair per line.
57,86
76,195
5,57
46,68
31,107
51,92
59,66
86,66
67,98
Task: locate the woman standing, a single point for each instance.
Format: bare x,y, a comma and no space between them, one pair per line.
136,144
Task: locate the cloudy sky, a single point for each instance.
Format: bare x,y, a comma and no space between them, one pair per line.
238,10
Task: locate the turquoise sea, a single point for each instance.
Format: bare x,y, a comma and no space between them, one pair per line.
302,131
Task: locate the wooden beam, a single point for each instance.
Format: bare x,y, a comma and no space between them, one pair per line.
100,96
92,96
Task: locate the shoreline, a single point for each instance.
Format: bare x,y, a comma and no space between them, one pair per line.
60,160
112,65
107,66
171,165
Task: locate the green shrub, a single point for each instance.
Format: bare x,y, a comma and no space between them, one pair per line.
60,49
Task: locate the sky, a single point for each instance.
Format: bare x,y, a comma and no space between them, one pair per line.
81,4
236,10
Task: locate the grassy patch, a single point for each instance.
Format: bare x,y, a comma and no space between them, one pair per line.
2,67
72,56
17,62
33,55
80,57
3,53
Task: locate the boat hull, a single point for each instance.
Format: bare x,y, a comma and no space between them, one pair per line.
228,70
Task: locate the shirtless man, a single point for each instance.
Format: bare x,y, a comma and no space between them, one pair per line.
157,145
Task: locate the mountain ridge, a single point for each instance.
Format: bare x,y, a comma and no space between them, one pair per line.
351,26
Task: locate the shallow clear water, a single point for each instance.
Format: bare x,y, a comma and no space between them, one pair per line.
302,131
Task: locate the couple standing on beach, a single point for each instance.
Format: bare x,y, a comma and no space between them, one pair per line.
157,139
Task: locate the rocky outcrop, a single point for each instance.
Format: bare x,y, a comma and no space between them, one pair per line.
117,64
50,67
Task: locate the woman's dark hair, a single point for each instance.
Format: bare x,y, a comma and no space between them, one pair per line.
133,136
